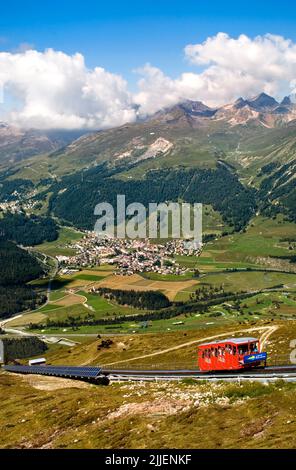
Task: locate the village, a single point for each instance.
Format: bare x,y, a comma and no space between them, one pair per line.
130,256
18,203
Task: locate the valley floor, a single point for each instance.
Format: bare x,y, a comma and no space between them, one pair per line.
46,412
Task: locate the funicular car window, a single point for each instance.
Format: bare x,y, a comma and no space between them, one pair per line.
254,347
243,348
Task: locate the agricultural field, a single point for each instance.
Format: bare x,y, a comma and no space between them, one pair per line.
71,295
249,281
168,277
265,306
138,283
58,247
263,244
72,300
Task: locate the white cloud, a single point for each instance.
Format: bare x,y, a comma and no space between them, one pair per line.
56,90
231,68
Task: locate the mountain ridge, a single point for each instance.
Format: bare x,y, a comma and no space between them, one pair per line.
244,136
17,144
262,104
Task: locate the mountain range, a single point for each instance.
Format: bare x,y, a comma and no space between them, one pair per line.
263,108
252,140
17,144
247,134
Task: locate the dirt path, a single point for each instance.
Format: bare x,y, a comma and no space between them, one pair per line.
267,331
3,323
264,337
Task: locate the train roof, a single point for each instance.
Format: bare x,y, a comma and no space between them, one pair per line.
231,340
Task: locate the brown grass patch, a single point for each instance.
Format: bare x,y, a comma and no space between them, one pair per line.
161,407
78,283
70,299
27,318
52,383
93,272
137,283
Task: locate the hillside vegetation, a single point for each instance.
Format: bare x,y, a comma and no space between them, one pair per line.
47,412
218,187
28,231
239,159
17,267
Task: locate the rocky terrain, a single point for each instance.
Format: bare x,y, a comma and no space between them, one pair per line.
190,124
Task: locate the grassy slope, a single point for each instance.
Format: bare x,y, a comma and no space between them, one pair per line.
145,415
56,413
58,247
261,240
129,346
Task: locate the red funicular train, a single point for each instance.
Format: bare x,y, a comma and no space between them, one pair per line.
231,354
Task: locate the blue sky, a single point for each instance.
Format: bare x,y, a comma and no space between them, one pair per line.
122,36
47,89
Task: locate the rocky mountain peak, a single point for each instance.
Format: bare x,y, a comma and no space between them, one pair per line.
240,103
263,102
286,101
196,108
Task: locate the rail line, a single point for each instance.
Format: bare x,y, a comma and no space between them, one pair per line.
104,376
268,374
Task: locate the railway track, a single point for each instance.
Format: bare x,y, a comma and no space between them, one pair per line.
104,375
268,374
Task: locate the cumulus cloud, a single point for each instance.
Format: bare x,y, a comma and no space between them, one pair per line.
56,90
231,68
